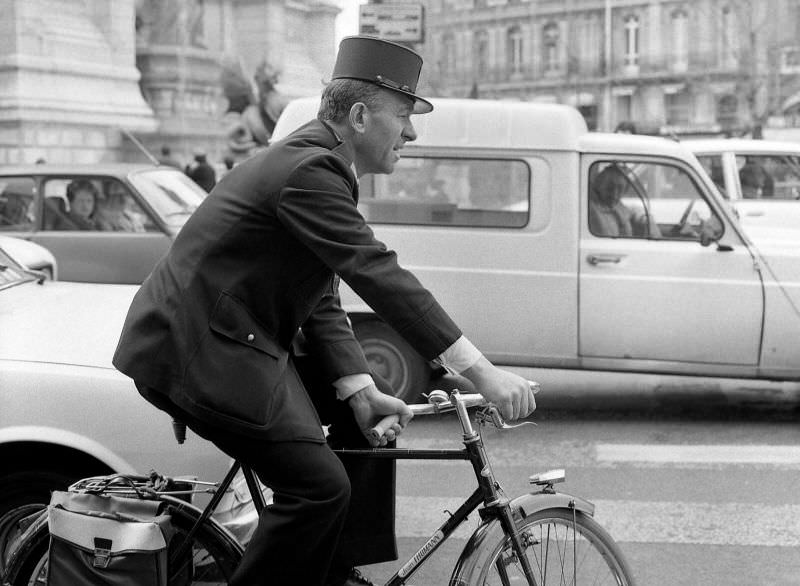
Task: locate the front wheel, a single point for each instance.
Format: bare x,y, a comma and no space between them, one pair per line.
562,547
211,561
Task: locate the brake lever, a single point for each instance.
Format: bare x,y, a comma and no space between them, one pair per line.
490,414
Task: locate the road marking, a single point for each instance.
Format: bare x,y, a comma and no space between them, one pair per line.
641,521
700,523
698,454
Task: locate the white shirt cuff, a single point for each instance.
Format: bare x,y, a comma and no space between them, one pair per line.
459,356
349,385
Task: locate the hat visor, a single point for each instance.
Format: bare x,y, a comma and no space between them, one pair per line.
421,105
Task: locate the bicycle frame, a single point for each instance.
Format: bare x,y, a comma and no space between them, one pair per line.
498,512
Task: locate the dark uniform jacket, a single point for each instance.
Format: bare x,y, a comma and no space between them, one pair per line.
211,328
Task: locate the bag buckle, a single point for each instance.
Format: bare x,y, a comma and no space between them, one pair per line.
102,552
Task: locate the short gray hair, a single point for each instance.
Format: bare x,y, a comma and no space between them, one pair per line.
340,95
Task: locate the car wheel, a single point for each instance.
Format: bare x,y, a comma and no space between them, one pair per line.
392,358
30,487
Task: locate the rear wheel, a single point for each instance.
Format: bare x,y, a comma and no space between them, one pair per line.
562,547
392,358
213,559
12,525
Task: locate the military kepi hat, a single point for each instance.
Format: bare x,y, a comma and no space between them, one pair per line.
383,63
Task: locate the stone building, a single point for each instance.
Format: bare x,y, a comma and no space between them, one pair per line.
672,66
86,80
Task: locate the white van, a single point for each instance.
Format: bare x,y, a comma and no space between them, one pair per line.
660,293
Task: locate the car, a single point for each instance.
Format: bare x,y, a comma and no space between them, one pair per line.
137,211
761,178
31,255
65,412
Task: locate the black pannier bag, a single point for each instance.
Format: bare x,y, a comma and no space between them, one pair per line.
98,539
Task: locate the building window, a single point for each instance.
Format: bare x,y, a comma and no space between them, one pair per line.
448,54
515,50
624,108
631,41
727,111
676,107
729,39
551,39
680,40
482,54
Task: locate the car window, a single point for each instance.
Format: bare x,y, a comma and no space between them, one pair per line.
446,191
629,199
92,204
769,176
119,211
17,203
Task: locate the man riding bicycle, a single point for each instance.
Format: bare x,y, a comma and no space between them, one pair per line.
239,333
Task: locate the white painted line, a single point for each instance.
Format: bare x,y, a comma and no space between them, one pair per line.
698,454
642,521
700,523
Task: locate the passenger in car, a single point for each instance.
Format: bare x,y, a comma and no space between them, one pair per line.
82,196
608,216
115,213
754,181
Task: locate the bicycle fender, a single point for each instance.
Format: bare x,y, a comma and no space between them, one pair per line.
489,533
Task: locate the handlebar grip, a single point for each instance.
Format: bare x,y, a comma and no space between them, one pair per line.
380,428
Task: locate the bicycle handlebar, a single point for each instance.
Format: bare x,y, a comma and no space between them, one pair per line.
440,402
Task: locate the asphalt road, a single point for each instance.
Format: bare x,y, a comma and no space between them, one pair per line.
695,494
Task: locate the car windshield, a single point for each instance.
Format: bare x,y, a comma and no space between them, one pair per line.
170,193
11,272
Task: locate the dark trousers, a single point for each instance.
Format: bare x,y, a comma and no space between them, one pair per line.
328,513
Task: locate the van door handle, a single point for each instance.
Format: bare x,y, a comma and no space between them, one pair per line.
596,259
755,213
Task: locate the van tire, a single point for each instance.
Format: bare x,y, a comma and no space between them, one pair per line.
392,358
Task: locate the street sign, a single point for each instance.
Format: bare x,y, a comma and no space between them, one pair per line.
393,22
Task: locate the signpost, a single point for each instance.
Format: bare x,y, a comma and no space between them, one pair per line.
403,23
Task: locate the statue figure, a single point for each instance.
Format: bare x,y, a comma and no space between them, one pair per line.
258,105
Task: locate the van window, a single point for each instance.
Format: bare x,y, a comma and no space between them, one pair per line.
444,191
714,167
632,199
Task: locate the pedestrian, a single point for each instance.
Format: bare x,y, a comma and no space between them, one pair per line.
166,157
239,331
201,172
625,127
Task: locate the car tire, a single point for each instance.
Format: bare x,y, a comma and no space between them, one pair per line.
392,358
27,487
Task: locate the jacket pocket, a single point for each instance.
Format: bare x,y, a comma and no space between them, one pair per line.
237,367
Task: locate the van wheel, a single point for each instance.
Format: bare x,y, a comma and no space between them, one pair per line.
391,357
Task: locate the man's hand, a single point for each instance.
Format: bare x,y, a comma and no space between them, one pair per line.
369,406
512,394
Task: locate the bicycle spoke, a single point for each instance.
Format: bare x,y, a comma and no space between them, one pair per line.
561,553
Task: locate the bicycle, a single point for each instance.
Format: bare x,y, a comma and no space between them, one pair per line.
540,538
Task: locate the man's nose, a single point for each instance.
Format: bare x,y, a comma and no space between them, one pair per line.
409,133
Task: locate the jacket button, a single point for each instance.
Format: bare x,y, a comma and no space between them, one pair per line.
250,337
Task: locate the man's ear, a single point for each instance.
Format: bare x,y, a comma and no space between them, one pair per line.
358,116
